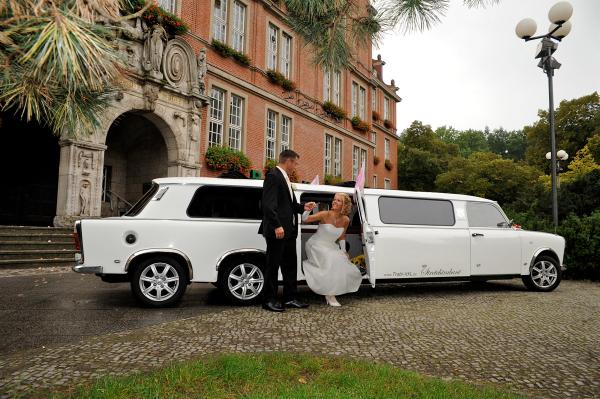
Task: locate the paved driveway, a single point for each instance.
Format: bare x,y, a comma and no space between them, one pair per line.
543,345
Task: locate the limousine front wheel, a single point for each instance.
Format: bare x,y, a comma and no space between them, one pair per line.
242,282
544,274
159,281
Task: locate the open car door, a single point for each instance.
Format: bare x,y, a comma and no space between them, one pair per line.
367,236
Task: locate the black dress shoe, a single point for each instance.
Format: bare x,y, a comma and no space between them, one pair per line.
273,307
296,304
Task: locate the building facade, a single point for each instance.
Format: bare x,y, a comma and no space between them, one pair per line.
180,96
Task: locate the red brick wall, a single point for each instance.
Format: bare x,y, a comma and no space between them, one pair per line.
308,135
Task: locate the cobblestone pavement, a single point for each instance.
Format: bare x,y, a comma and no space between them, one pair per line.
542,345
5,272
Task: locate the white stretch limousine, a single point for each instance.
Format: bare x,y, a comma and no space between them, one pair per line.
205,230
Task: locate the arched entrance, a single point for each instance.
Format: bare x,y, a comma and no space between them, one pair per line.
136,153
29,161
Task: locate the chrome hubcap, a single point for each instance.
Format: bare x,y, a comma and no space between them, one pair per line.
159,281
544,274
245,281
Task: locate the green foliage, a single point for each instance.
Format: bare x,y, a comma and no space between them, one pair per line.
581,165
594,147
511,144
421,157
576,120
508,144
279,375
226,51
388,124
581,196
270,164
333,180
281,80
333,110
225,158
154,14
489,175
359,124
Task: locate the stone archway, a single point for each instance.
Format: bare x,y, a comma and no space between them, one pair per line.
29,162
137,152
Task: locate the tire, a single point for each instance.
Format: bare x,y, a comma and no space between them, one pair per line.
153,288
544,275
242,281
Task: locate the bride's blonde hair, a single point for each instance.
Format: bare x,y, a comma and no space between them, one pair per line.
346,204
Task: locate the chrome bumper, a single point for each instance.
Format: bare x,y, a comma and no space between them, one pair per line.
563,268
87,269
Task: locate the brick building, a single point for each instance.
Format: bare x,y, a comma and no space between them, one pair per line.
180,96
249,113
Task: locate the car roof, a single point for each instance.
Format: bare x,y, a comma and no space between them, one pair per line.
314,188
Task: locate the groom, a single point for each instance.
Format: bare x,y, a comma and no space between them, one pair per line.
280,228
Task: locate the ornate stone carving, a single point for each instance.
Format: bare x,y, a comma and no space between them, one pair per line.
181,116
154,46
85,162
180,66
150,96
202,68
85,188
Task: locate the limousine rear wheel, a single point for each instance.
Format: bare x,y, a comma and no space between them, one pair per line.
544,274
159,281
242,281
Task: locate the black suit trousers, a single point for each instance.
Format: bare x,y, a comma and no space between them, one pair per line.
281,253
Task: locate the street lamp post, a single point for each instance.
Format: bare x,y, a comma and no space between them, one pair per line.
561,155
560,27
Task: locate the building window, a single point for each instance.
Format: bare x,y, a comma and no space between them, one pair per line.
220,21
328,145
215,128
387,184
387,149
271,134
286,127
239,26
286,55
359,156
374,138
279,133
332,81
386,108
236,106
217,119
359,96
337,157
272,46
168,5
374,181
374,99
279,51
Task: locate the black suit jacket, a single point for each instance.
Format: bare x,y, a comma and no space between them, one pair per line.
279,208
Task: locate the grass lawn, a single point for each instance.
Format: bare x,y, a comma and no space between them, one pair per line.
278,375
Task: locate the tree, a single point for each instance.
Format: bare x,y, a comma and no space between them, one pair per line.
511,144
576,121
337,28
58,60
489,175
594,146
422,157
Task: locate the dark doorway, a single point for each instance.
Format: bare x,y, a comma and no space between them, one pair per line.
29,159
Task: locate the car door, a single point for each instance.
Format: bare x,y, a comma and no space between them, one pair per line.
495,246
367,235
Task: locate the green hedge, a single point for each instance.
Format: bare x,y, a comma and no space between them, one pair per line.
224,158
582,234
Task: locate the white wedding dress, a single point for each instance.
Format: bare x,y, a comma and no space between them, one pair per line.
327,269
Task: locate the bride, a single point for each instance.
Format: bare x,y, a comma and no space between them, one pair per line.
327,270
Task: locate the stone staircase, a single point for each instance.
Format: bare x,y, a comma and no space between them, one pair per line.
32,247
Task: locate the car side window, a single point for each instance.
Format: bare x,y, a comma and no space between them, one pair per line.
483,214
226,202
416,211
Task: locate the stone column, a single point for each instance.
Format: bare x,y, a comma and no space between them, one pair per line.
79,181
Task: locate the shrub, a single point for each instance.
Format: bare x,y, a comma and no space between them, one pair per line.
225,158
333,110
154,13
226,51
278,79
333,180
388,164
388,124
270,164
360,125
376,116
376,160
